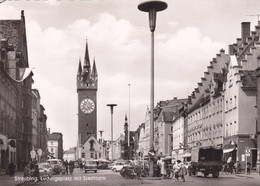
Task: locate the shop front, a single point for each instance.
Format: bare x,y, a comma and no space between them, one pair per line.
3,152
240,148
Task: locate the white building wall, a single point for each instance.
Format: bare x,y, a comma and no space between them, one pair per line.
53,147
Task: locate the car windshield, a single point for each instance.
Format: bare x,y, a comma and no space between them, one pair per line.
91,163
53,162
41,166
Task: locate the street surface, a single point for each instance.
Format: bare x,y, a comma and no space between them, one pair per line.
110,178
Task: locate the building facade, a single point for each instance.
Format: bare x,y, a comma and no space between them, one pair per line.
221,111
17,119
55,145
70,155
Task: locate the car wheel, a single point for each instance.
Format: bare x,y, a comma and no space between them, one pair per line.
86,171
114,169
95,171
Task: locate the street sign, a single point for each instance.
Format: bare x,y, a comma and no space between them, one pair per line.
33,154
247,152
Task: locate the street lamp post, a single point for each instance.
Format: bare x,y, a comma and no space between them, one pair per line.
111,109
152,7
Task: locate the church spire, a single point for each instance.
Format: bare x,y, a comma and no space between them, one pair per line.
125,118
79,68
126,128
86,60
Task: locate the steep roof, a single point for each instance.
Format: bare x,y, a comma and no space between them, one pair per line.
71,150
55,136
168,116
15,32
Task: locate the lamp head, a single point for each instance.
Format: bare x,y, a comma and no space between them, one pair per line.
152,7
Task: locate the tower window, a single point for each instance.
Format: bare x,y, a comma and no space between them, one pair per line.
92,145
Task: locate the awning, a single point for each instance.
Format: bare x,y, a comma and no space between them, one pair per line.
186,155
228,150
169,157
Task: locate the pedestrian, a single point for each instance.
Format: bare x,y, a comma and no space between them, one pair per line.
11,169
237,167
26,172
176,169
258,167
248,168
163,168
36,173
71,166
66,167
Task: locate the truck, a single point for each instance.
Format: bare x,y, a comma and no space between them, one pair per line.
207,160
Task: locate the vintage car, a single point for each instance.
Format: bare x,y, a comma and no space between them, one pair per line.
56,165
119,165
90,165
45,169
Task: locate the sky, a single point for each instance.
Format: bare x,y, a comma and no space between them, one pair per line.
189,33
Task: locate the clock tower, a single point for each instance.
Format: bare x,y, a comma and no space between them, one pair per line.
87,84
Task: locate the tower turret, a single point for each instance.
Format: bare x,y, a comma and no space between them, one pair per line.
79,68
94,73
126,128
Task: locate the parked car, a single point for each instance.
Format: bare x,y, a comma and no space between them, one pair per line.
56,165
90,166
102,165
110,165
45,169
119,165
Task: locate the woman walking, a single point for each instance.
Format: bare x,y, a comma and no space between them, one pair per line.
163,168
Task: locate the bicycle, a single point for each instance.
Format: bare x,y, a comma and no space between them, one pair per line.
169,173
127,172
226,169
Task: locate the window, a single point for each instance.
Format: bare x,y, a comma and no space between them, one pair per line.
92,145
100,155
91,155
83,155
227,130
226,106
51,149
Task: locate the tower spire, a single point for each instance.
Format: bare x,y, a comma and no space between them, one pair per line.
86,60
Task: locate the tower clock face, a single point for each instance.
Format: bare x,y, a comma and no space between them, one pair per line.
87,106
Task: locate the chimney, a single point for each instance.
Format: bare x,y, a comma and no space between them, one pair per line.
245,32
231,49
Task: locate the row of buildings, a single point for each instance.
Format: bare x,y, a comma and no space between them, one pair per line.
222,110
23,120
22,117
